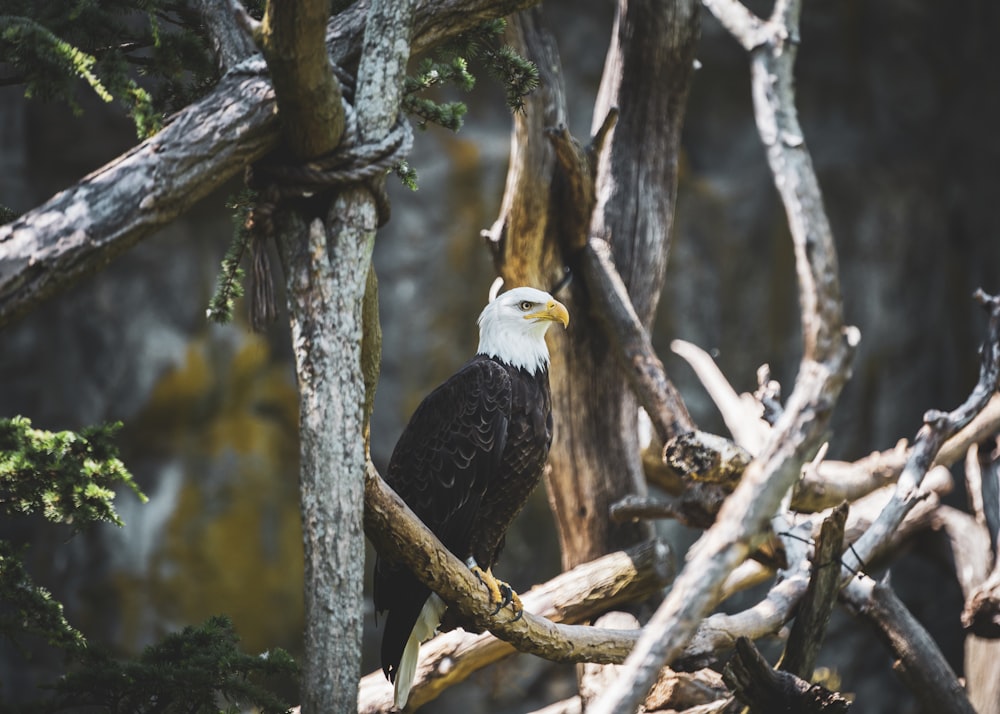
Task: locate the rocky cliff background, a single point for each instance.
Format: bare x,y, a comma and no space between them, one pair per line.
900,106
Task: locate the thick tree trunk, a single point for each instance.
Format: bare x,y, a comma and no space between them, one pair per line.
324,300
597,462
544,224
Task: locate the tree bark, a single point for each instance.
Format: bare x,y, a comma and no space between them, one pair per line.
79,230
545,220
327,265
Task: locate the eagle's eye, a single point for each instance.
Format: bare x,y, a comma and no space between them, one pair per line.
525,305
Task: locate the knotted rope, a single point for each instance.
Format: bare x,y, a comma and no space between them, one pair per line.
352,163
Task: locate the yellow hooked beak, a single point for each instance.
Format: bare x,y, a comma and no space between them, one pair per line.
554,311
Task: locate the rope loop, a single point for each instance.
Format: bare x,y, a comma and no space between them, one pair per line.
353,162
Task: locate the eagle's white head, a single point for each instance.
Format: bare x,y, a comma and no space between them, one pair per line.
512,327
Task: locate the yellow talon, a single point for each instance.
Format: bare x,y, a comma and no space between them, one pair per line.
501,594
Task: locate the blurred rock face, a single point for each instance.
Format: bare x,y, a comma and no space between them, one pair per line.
900,116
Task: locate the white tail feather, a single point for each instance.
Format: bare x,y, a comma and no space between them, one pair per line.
424,628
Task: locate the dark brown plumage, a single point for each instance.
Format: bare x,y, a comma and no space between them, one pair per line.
467,461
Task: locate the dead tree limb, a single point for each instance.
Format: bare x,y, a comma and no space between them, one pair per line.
938,427
393,528
814,610
765,690
919,661
81,229
630,340
827,483
571,597
827,354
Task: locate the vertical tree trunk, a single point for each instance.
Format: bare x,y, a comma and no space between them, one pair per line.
544,223
324,301
327,262
596,458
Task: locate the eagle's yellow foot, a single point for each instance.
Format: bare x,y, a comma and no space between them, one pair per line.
501,594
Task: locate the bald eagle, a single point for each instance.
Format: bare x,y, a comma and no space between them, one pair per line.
465,464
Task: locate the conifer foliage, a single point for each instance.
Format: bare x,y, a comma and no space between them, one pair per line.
151,56
70,478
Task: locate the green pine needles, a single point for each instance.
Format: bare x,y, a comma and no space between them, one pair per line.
199,670
151,56
70,478
229,285
66,476
450,67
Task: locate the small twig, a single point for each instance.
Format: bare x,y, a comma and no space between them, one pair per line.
742,420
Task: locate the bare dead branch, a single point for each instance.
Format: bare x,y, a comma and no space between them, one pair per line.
827,354
393,529
919,662
631,343
574,596
830,482
816,606
763,689
938,427
743,419
717,633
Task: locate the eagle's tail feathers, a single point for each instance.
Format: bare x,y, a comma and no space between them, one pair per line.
424,628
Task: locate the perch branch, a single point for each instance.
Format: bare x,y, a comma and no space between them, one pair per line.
828,350
574,596
393,528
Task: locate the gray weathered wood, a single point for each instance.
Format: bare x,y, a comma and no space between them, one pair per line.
79,230
828,349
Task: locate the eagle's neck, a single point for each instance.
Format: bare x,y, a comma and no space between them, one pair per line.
525,351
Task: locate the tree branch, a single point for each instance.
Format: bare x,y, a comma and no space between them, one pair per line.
394,529
919,661
631,343
827,354
816,606
80,229
574,596
765,690
938,427
231,41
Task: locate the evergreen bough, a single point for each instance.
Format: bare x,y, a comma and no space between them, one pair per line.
70,478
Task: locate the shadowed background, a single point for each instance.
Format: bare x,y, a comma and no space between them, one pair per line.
899,110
